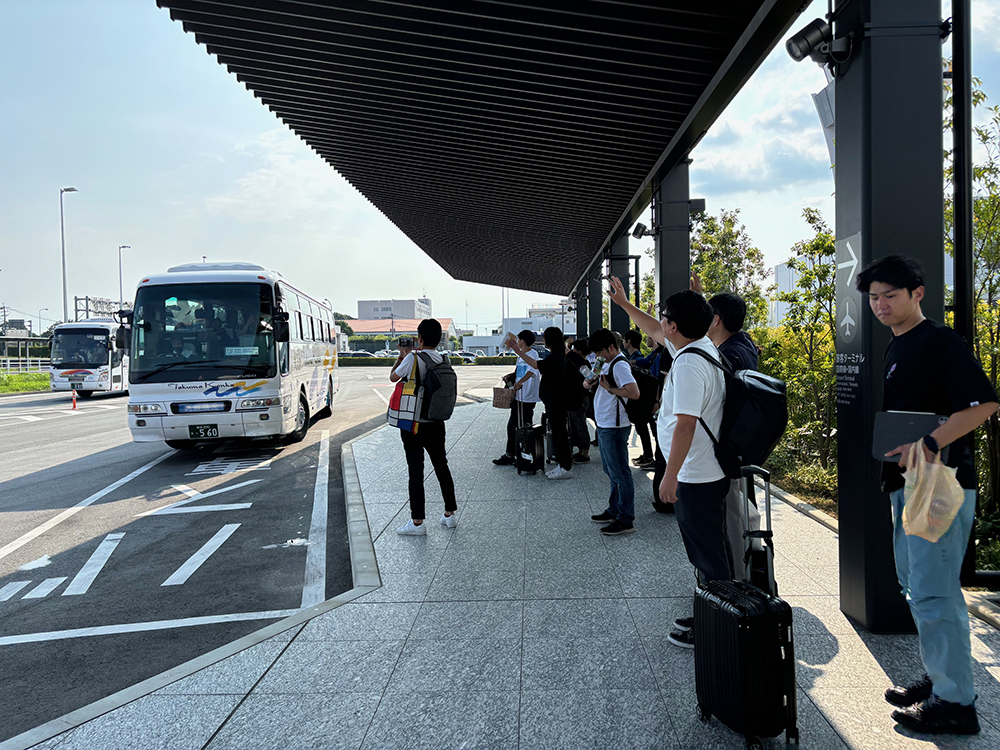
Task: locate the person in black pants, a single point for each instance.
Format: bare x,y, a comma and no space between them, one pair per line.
525,393
579,434
429,436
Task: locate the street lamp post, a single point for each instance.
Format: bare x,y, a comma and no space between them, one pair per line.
40,319
121,298
62,236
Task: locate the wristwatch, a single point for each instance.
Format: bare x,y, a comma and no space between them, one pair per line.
932,444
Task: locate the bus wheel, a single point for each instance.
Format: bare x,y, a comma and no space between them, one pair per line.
301,422
327,410
84,394
181,445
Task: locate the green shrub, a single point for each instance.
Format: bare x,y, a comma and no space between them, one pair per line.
816,478
988,555
366,361
23,382
496,360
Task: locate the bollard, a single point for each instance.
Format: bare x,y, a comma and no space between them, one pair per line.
74,398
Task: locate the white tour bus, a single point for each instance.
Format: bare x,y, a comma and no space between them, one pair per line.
225,350
84,358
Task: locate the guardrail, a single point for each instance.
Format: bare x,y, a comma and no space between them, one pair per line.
23,364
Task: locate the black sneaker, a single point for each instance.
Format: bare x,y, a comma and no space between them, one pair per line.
682,638
617,527
936,716
684,624
648,466
663,507
579,458
604,517
643,459
594,441
910,694
504,460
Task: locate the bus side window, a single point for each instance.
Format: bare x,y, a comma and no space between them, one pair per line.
300,331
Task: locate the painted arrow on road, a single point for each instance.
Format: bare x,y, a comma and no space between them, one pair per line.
194,495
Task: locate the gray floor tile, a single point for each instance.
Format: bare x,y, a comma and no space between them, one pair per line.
499,556
586,663
381,516
233,676
579,618
400,586
164,722
836,661
362,621
655,616
469,620
571,583
863,718
476,585
458,665
332,667
334,721
818,614
445,720
599,719
672,666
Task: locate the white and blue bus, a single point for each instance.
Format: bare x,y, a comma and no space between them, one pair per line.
84,358
227,350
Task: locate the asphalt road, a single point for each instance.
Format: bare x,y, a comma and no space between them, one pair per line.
119,560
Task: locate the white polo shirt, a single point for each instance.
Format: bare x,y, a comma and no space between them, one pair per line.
608,410
697,388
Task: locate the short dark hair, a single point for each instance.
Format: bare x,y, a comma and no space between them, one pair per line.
899,271
690,311
582,346
554,339
634,337
731,309
602,339
429,331
527,337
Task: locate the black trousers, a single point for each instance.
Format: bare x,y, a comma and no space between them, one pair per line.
527,417
430,438
701,517
560,437
643,431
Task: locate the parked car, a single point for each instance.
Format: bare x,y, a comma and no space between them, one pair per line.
357,354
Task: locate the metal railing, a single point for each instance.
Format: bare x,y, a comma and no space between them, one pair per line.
23,364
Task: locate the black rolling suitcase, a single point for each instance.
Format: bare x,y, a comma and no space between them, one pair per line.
530,441
550,443
744,655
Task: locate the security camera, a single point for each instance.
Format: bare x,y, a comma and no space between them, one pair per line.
813,41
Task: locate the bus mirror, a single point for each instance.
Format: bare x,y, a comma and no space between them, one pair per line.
279,322
122,336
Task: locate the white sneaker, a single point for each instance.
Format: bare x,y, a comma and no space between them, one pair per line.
411,529
449,521
559,473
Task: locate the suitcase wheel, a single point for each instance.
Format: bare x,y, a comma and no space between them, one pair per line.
754,744
792,736
703,713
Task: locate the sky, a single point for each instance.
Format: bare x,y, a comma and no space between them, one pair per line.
175,158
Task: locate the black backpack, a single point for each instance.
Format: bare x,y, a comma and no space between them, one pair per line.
639,410
754,416
440,384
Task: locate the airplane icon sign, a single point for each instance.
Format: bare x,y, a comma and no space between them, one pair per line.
847,324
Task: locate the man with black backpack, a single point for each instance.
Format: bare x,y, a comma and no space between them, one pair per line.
693,399
436,391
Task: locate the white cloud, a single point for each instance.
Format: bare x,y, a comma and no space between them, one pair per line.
986,24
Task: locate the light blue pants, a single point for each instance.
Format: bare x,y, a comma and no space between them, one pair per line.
928,573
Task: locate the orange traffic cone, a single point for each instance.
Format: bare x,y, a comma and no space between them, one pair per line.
74,398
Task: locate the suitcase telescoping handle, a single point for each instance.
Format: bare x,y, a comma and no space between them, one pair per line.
749,472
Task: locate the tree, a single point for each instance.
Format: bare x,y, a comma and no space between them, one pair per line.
806,342
725,258
986,271
342,322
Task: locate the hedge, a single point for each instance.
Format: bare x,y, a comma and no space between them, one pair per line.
496,360
366,361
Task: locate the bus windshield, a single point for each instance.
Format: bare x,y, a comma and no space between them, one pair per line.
81,347
189,332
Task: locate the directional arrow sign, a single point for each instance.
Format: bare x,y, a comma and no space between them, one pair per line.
852,264
194,495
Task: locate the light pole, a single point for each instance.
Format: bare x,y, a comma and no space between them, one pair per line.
121,299
62,236
40,319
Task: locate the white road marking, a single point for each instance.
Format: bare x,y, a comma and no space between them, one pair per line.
141,627
196,560
12,588
82,581
223,465
69,512
370,377
26,418
314,588
43,589
71,412
195,495
379,394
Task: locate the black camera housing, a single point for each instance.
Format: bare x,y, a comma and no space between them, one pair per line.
408,343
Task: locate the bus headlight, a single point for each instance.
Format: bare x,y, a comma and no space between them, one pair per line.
104,376
258,403
146,409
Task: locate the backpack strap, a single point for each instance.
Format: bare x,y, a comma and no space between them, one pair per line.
611,376
724,365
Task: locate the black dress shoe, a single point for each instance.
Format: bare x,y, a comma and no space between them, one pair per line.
504,460
663,507
936,716
904,696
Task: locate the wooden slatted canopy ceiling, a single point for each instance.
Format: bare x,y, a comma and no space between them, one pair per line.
511,141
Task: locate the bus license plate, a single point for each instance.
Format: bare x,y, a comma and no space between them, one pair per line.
201,431
76,386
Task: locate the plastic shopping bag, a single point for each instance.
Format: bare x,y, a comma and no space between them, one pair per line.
932,495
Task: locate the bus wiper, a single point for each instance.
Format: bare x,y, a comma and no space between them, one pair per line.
161,368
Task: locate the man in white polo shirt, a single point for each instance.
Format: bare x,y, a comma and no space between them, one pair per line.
693,397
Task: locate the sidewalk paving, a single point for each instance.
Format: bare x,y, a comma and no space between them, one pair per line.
525,628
